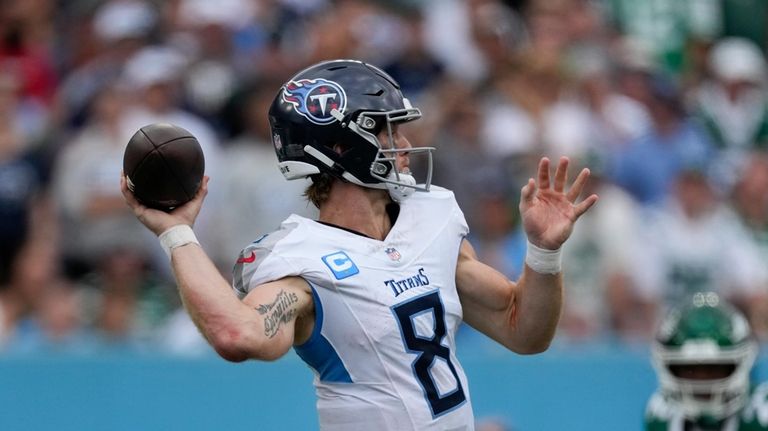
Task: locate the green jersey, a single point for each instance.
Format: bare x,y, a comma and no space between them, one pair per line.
662,414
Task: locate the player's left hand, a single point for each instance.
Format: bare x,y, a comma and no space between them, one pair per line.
548,211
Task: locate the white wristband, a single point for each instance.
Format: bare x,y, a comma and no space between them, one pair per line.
542,260
178,235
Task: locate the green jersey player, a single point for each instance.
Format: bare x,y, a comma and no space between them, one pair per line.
703,355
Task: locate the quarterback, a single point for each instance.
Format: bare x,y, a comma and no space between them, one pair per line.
703,355
370,295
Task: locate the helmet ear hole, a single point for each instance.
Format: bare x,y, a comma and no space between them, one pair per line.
370,124
381,168
367,123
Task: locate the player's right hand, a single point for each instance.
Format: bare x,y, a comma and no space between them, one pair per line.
159,221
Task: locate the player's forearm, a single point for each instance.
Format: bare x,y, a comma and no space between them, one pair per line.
538,306
210,302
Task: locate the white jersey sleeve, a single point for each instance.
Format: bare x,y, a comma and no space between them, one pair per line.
258,263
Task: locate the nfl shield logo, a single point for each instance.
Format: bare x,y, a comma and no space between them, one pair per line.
393,254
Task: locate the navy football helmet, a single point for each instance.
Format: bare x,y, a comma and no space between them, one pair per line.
347,103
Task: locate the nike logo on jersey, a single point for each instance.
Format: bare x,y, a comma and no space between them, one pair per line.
249,259
400,286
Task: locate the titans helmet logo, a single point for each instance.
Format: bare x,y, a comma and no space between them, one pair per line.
314,99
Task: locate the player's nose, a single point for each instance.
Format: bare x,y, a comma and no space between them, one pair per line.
401,142
403,157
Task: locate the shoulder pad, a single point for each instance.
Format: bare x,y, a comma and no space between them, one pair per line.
250,259
659,408
756,410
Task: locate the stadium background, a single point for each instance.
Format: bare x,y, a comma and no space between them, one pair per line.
665,100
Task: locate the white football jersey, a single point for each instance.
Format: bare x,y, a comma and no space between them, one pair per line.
386,315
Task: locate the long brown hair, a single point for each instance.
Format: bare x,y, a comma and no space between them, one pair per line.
320,189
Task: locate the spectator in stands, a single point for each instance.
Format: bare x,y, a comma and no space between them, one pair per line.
120,28
498,237
750,200
598,303
648,166
465,167
103,249
94,220
695,243
154,78
733,104
614,119
45,311
414,67
23,177
251,181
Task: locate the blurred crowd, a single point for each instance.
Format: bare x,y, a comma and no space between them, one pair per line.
665,101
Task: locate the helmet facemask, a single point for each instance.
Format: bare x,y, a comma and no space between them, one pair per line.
399,184
717,398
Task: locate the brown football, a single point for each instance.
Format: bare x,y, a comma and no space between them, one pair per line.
163,165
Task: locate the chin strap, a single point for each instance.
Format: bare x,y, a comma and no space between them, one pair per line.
399,192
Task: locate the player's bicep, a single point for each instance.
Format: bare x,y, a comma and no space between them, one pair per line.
481,284
277,307
486,295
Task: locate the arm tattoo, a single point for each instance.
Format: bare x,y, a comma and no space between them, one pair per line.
279,311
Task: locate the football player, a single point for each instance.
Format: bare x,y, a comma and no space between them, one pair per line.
372,293
703,354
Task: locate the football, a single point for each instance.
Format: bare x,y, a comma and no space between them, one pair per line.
163,165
